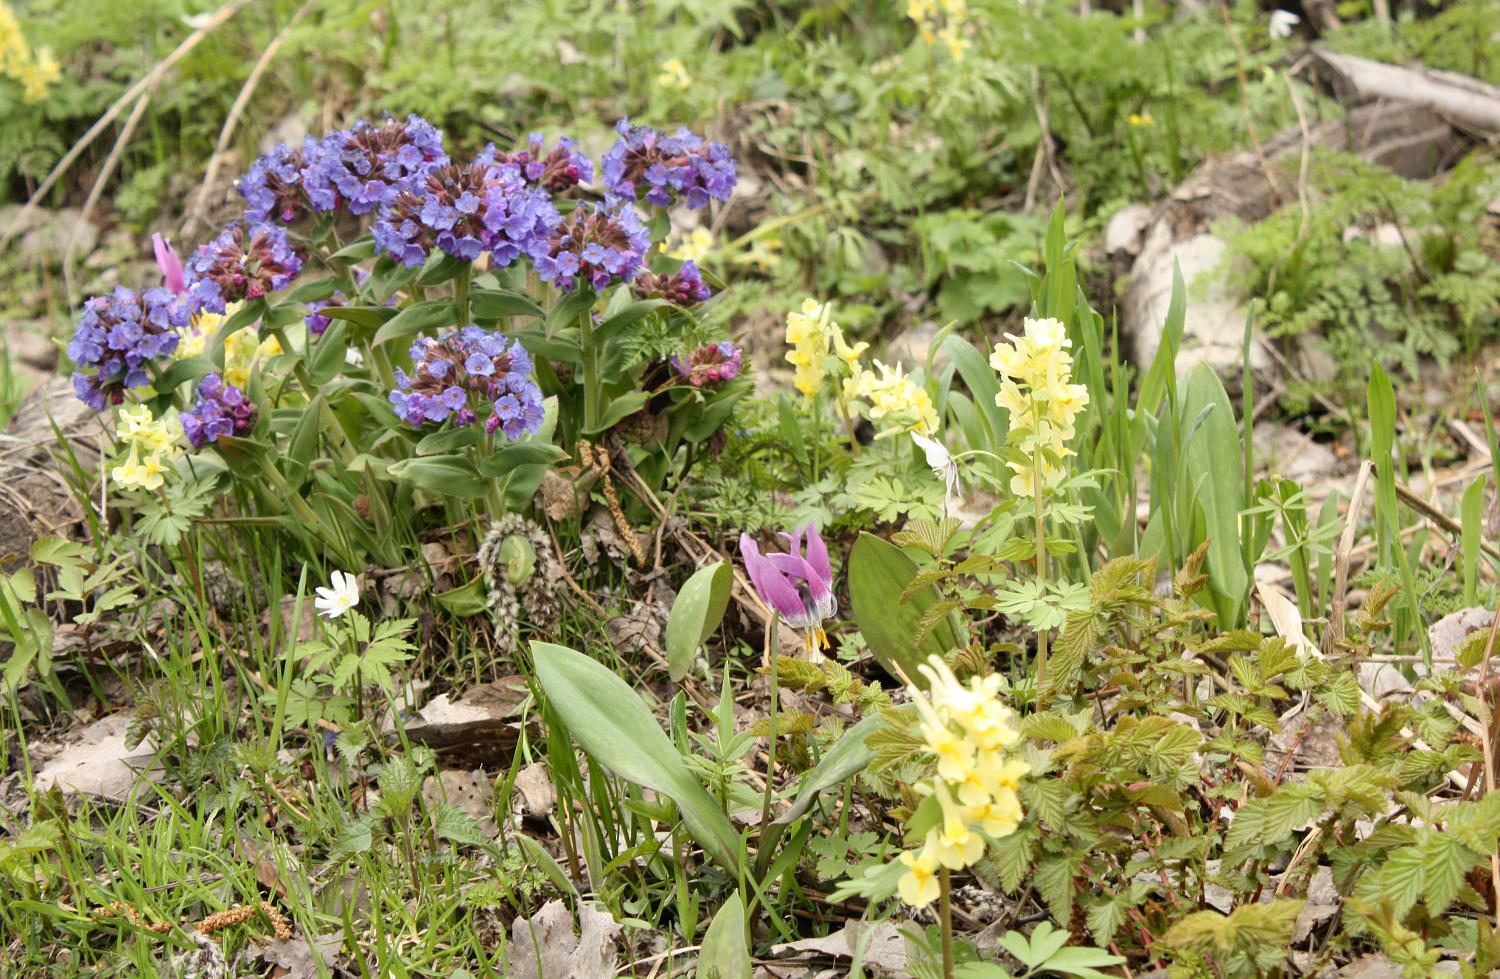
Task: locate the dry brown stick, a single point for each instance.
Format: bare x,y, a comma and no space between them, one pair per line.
252,81
105,172
1405,494
1255,144
131,94
1335,633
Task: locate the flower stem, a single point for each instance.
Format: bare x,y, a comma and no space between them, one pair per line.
945,919
1041,573
772,646
461,294
590,371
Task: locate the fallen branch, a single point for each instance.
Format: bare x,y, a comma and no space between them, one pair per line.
1466,101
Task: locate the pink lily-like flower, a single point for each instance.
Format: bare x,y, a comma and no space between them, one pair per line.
170,264
797,586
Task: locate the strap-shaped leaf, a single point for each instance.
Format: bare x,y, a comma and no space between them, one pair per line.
614,725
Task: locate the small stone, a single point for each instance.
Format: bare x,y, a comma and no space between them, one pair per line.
50,239
1126,229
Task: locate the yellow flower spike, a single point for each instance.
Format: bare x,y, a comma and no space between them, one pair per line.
1035,388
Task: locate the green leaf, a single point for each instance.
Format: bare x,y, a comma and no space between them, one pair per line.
494,304
447,441
629,315
696,614
571,308
311,291
848,757
422,317
614,725
328,354
878,574
464,600
450,475
364,317
725,953
457,826
622,407
506,459
182,371
1212,459
546,863
302,446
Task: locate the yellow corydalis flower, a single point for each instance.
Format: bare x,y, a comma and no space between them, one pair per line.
897,404
674,76
150,443
693,246
941,21
35,71
242,349
815,338
1036,369
969,732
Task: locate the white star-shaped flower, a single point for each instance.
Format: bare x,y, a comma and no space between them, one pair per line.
340,597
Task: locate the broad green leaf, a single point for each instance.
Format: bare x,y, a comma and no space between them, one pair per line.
848,757
878,574
615,726
622,407
1213,460
464,600
450,475
725,953
311,290
696,614
494,304
328,354
422,317
365,317
507,458
447,441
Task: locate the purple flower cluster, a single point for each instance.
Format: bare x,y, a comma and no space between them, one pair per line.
555,171
467,367
363,167
466,210
241,264
713,364
272,187
117,337
221,409
600,244
667,167
685,287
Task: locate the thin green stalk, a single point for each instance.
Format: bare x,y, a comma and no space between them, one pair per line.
771,649
461,294
590,371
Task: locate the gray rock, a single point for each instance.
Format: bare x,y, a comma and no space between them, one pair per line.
1126,230
48,240
1214,329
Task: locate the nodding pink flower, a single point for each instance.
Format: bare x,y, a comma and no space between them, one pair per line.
798,586
170,264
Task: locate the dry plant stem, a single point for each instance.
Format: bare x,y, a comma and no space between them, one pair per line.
1239,67
1405,494
131,94
1488,747
105,172
252,81
945,917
